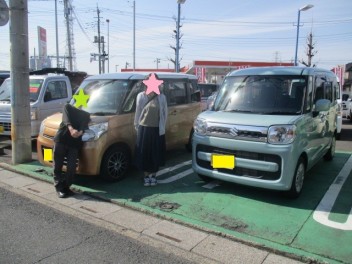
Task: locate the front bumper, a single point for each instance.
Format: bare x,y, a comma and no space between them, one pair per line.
257,164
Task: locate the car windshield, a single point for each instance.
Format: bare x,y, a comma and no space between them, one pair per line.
262,94
5,90
34,89
105,96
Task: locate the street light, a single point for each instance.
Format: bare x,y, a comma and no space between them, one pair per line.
108,21
177,61
305,8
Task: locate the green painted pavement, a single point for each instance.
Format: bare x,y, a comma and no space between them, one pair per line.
262,217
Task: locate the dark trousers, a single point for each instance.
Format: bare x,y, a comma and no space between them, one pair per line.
63,180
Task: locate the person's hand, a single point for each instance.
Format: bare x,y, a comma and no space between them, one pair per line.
74,132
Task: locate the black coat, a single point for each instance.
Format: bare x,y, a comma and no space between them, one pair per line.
78,119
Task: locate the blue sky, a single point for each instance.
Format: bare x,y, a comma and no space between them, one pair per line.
226,30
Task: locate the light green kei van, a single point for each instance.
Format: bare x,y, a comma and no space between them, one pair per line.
269,125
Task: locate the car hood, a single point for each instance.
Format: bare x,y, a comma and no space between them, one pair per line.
54,120
248,119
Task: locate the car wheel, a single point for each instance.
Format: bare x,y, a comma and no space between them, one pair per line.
189,144
338,136
298,179
331,152
115,164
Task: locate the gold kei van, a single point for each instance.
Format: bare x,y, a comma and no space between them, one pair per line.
110,140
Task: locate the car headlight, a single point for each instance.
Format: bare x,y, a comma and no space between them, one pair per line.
281,134
95,131
34,114
42,126
200,126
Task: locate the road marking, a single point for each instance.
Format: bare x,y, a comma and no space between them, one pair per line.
321,214
177,176
166,170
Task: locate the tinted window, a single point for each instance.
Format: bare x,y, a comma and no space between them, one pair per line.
207,89
56,90
175,92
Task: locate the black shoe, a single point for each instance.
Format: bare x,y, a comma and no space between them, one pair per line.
61,194
68,191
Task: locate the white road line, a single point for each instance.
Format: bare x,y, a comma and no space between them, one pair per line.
166,170
321,214
177,176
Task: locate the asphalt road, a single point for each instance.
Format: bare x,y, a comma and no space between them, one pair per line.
34,233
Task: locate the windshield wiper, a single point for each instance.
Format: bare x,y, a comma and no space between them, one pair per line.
6,100
103,113
238,110
281,113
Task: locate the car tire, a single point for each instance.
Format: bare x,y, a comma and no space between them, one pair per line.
331,152
190,140
115,163
298,179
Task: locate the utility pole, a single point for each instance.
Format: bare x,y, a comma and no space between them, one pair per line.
157,62
108,55
57,37
134,35
20,107
67,9
98,40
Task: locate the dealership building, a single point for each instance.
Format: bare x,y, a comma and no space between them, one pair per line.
215,71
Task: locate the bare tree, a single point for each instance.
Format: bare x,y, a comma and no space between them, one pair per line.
309,51
173,47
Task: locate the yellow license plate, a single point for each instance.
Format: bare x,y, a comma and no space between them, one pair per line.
1,129
220,161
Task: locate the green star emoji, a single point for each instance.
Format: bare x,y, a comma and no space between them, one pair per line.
81,99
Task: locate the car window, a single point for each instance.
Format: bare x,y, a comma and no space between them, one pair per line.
175,92
55,90
34,88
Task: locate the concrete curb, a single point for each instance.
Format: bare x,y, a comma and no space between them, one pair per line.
202,246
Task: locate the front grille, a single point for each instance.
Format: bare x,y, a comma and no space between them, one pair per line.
265,175
239,132
6,126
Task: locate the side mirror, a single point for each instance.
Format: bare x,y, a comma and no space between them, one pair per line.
47,96
195,97
321,105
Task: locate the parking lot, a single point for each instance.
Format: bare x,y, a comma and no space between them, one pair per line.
317,225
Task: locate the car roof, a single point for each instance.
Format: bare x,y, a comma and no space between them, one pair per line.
279,70
141,76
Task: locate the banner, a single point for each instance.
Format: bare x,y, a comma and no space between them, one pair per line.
340,71
200,73
42,48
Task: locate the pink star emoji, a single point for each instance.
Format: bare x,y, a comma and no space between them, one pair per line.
152,84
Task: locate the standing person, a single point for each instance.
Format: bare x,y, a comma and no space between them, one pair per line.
68,141
150,120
